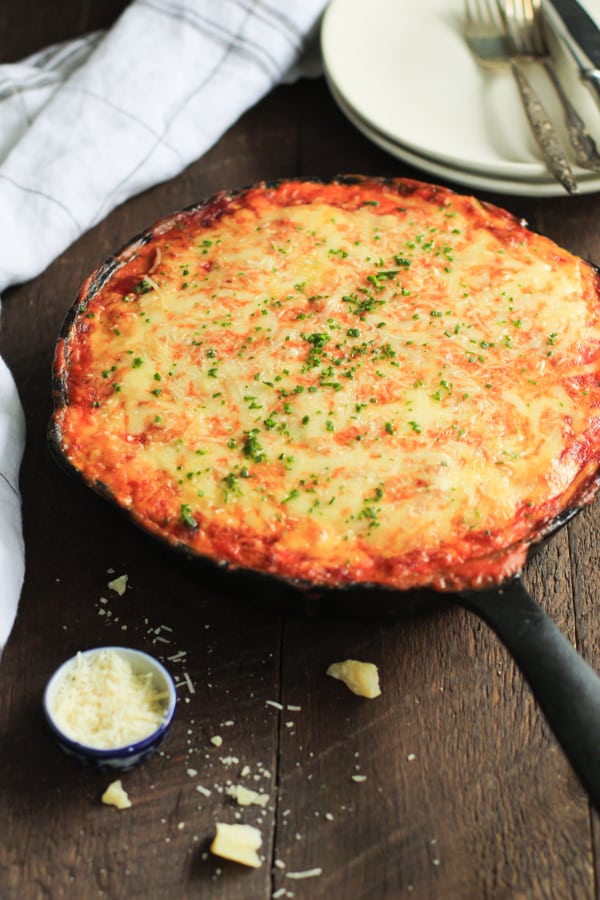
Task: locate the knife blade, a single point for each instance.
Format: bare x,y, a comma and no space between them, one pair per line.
580,35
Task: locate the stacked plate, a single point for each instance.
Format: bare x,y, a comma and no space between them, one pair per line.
404,76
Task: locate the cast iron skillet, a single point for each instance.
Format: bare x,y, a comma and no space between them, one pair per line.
566,688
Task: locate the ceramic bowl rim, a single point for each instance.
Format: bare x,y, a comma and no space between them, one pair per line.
125,750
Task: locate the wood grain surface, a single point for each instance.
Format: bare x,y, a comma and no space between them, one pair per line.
466,793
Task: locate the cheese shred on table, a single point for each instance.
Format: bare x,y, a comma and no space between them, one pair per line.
103,703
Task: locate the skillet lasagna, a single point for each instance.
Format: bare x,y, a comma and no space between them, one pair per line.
362,381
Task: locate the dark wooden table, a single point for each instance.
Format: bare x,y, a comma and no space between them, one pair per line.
467,794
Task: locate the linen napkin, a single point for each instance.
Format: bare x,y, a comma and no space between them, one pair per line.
88,123
12,563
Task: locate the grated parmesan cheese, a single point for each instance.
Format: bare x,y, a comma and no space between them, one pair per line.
102,703
307,873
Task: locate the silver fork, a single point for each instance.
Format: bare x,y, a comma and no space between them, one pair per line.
524,24
487,37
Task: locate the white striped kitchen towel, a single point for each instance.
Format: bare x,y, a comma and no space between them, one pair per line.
86,124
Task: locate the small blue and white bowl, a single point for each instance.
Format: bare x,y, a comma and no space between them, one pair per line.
117,758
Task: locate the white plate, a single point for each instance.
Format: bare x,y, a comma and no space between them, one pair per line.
543,187
406,73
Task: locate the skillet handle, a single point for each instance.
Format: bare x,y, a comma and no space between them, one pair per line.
566,688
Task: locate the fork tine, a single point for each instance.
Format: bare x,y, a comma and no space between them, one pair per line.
537,35
475,20
526,13
508,14
482,16
494,15
520,13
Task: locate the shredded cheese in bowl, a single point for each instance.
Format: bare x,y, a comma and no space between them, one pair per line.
112,700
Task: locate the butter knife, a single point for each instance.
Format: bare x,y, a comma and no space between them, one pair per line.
581,36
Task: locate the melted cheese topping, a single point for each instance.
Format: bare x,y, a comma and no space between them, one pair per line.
375,382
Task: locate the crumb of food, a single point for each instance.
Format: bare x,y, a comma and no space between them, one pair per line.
229,760
216,740
246,796
238,843
119,585
359,778
307,873
361,678
274,703
116,795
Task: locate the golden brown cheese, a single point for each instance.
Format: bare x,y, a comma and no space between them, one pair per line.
363,381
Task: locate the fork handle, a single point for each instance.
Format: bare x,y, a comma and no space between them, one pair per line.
543,130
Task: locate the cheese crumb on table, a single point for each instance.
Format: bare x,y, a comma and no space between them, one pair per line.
238,843
246,796
307,873
119,585
116,795
362,678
